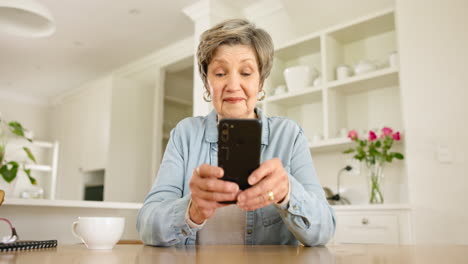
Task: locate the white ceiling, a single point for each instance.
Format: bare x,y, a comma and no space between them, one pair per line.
92,38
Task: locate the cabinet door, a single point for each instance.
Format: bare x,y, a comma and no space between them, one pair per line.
130,148
367,228
96,125
68,130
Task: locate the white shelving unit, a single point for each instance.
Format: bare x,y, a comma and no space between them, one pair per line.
46,154
359,102
51,168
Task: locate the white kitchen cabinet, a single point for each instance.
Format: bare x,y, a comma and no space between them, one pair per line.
96,124
130,144
106,133
362,102
373,224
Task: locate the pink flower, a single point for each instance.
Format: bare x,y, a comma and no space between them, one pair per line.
352,134
396,136
372,136
386,131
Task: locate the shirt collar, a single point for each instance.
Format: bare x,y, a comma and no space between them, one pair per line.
211,129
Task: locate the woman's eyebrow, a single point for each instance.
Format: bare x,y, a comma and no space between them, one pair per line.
221,60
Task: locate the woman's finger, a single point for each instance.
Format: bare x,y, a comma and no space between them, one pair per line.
214,196
265,169
207,171
215,185
258,195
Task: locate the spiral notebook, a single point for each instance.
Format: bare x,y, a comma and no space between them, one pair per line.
28,245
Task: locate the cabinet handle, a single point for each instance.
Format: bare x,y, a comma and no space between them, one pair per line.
365,221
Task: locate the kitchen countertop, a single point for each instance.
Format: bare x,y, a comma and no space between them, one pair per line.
361,254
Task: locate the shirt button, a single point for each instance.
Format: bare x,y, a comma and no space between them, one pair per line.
184,232
249,231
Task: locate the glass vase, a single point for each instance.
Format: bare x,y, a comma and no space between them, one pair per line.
375,181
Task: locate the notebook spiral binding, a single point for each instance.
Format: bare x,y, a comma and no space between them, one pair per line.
28,245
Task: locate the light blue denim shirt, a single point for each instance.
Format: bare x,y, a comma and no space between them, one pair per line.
307,217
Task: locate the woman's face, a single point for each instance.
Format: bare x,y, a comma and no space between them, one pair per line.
234,81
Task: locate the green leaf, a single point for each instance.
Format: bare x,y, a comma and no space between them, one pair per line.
30,155
378,144
362,143
359,157
9,171
16,128
397,155
2,153
348,151
31,179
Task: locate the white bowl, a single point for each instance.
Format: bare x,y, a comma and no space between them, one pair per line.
363,67
299,77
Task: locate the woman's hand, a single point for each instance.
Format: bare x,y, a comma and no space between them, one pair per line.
207,190
270,184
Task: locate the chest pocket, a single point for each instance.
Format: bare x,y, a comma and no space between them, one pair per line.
270,216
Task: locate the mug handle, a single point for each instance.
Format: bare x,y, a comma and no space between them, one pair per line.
75,231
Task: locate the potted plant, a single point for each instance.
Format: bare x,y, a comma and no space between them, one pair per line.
9,168
374,152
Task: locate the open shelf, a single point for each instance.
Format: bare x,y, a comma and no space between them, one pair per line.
34,167
367,81
359,102
298,47
309,94
363,28
330,144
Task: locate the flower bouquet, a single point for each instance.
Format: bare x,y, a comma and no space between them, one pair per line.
374,152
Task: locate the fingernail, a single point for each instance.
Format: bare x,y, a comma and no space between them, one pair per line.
221,172
251,180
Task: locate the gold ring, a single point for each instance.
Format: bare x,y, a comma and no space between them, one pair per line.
271,196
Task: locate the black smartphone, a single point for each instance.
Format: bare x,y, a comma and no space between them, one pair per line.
239,146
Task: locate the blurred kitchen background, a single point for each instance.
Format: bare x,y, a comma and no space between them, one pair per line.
102,93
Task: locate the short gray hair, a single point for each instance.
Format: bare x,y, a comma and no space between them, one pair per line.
234,32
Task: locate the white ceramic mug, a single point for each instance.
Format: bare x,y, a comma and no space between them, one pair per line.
281,89
343,71
99,232
393,59
343,132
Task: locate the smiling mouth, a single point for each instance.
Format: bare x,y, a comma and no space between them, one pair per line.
233,100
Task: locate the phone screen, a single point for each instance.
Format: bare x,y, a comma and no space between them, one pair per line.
239,146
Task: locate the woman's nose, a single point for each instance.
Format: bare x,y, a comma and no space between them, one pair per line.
233,82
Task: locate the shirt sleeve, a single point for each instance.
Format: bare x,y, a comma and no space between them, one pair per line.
307,214
162,219
189,221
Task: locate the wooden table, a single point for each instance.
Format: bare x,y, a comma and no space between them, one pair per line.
362,254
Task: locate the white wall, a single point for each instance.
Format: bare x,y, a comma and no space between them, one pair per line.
35,116
433,41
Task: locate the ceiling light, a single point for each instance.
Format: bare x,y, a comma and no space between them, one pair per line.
26,18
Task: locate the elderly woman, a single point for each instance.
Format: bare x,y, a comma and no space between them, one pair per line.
285,205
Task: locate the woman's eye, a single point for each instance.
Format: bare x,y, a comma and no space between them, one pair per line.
246,73
219,74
